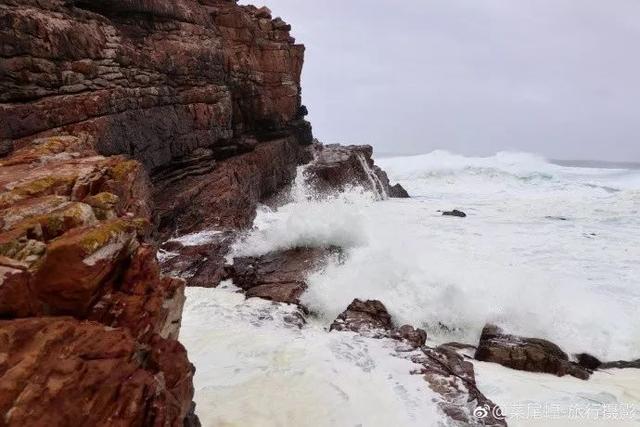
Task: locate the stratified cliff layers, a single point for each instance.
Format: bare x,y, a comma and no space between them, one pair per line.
154,79
119,118
89,327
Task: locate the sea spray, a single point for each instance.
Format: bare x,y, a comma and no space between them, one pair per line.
509,262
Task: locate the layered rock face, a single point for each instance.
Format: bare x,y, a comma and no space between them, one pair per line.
124,123
91,325
198,105
153,79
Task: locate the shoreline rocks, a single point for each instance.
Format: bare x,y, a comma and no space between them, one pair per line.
278,276
336,167
526,354
81,294
455,212
445,370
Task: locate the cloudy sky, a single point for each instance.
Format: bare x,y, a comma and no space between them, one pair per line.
559,78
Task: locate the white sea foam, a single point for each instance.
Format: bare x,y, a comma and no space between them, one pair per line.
255,369
511,261
528,399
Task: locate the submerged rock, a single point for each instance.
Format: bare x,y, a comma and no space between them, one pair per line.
455,212
592,363
452,377
526,354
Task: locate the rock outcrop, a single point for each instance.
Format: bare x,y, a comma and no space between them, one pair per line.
124,123
63,371
151,79
444,368
335,167
278,276
91,325
526,354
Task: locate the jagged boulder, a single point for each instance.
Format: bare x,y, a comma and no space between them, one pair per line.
366,317
526,354
335,167
278,276
61,371
73,245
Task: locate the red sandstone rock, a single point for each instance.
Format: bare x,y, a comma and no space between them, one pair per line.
72,243
153,79
61,371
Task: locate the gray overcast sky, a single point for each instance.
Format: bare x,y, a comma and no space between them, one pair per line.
559,78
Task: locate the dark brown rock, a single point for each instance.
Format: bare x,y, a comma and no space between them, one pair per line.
278,276
335,167
397,191
454,212
415,337
526,354
621,364
367,317
453,379
152,79
588,361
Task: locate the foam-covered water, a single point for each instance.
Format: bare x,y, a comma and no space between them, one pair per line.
254,368
546,250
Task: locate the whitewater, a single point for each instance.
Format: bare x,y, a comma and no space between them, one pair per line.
545,251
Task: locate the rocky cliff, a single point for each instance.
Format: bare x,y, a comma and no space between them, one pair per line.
123,123
119,118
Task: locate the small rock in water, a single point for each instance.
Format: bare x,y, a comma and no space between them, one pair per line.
588,361
454,212
557,218
363,317
415,337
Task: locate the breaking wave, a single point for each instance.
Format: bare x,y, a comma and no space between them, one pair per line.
546,250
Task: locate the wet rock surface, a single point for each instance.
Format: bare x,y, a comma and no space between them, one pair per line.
73,244
444,368
367,317
592,363
455,213
154,80
335,167
526,354
278,276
